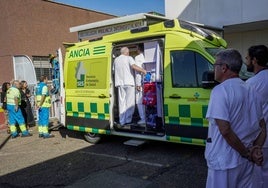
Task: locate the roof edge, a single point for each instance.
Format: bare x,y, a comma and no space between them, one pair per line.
113,21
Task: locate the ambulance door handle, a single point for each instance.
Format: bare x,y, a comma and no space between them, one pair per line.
102,96
174,96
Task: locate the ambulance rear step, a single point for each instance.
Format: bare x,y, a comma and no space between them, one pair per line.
135,142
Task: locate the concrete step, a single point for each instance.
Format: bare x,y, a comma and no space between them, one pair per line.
135,142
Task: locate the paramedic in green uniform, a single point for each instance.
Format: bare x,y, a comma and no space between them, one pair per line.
43,104
14,112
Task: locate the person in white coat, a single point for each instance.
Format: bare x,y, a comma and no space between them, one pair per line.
124,81
139,59
236,126
256,61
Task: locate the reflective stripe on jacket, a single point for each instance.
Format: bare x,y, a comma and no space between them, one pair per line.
40,91
13,93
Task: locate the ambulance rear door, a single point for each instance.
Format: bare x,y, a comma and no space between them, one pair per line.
87,84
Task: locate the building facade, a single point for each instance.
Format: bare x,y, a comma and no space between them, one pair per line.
244,22
37,28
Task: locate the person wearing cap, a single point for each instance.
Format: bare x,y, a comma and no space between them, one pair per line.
15,115
43,103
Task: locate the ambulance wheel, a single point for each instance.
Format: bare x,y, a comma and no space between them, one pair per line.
92,138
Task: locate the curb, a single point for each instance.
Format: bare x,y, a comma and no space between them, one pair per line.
5,141
4,135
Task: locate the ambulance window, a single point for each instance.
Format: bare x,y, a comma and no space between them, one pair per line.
187,68
202,65
183,69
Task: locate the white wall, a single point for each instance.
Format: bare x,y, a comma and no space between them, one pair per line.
240,16
217,12
243,40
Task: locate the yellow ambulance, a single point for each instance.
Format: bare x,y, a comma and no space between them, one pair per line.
179,57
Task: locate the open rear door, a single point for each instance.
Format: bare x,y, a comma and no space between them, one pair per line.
58,97
62,89
87,87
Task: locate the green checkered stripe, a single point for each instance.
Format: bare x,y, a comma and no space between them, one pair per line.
195,141
87,129
186,114
88,110
98,50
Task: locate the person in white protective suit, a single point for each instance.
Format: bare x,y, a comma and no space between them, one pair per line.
139,60
124,81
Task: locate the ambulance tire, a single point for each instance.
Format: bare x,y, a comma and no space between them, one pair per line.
92,138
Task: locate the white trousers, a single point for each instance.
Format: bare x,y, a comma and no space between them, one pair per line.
126,101
260,173
238,177
141,107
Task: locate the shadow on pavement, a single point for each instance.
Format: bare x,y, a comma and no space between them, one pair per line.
108,165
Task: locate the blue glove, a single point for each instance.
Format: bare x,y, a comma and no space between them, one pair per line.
147,77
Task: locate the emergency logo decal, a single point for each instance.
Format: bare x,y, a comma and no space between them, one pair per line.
99,50
196,95
80,74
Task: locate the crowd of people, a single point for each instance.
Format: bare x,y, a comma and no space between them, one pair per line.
15,96
124,66
19,117
236,149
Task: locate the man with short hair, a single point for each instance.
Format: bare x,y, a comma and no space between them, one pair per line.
14,112
236,125
256,62
43,103
124,81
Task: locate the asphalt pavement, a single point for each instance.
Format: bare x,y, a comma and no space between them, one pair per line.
67,160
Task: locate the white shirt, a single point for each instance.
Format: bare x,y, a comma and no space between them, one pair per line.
260,83
235,102
123,71
139,60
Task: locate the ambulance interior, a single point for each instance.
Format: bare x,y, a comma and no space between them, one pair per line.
152,84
